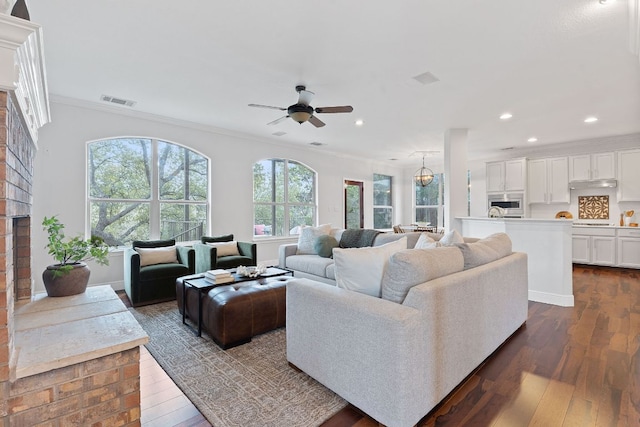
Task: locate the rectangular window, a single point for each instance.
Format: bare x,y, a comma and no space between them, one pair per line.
429,202
382,201
283,197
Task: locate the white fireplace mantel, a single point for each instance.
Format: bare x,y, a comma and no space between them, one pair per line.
22,70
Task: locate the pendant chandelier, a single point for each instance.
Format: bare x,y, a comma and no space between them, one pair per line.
423,176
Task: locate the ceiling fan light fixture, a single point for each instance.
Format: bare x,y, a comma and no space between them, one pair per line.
423,176
300,112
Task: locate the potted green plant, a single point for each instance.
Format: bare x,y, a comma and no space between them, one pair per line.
70,275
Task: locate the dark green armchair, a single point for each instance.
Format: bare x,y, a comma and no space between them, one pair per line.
209,257
151,268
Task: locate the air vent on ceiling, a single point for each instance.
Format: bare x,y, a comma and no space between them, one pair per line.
316,144
118,101
507,148
426,78
279,133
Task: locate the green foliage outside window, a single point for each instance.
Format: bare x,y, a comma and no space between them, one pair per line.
128,177
382,201
283,196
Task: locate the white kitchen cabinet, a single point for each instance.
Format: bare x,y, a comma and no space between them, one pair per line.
594,245
548,180
628,248
592,166
508,175
629,176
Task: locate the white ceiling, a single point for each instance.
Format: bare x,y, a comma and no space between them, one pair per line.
550,63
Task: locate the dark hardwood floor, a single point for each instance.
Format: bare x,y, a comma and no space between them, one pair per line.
568,366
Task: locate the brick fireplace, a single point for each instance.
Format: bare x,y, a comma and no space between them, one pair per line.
99,384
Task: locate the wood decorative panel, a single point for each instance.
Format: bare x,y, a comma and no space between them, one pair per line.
593,207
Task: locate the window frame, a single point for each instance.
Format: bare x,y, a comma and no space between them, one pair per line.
439,207
388,207
154,202
285,203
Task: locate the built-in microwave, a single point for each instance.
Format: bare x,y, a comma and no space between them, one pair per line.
512,203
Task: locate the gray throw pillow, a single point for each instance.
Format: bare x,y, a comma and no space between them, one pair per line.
485,250
324,245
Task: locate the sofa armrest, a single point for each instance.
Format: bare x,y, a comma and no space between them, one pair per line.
284,251
131,278
187,256
368,350
249,249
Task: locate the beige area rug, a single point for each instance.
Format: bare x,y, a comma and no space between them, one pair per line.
248,385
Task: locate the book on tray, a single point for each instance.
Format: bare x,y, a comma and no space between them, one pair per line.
218,281
218,276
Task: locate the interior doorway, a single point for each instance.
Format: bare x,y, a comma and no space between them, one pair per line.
353,204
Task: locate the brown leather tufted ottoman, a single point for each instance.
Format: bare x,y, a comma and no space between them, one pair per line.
234,313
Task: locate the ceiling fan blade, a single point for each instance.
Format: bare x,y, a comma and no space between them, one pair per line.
276,121
316,121
341,109
268,106
305,97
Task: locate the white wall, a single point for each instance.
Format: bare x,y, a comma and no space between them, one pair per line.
59,178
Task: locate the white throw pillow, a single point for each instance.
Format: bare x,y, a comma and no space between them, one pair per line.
308,236
151,256
225,248
426,242
361,269
451,238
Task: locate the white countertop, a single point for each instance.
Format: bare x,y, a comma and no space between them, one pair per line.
52,333
515,220
574,223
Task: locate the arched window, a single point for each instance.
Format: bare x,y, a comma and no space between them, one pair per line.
284,197
142,188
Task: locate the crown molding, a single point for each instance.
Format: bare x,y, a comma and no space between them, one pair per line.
22,70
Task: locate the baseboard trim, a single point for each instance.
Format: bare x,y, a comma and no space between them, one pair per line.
549,298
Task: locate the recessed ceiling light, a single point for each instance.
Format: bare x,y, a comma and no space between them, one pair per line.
591,119
359,122
532,139
606,1
506,116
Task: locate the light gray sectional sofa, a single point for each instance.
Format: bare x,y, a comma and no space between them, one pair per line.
323,269
443,311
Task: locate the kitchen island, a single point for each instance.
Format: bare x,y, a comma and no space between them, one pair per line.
547,242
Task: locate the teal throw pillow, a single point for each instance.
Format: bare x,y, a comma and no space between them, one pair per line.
324,245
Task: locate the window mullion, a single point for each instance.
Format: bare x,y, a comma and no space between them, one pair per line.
154,211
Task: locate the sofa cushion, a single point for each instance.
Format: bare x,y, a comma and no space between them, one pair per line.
157,272
308,236
331,271
485,250
415,266
225,248
324,245
361,269
163,255
384,238
233,261
310,264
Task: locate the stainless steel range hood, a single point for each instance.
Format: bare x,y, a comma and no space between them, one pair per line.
593,183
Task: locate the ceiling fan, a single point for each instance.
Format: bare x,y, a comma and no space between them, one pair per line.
302,112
